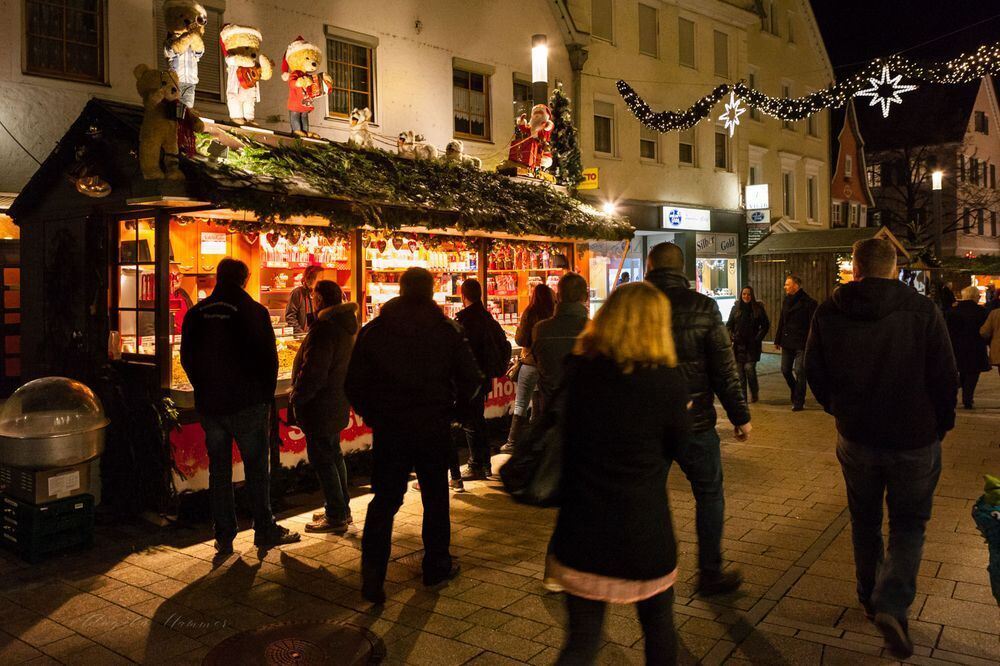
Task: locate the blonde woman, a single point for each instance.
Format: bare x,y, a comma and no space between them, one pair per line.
625,408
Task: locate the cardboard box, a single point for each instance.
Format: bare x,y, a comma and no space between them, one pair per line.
48,485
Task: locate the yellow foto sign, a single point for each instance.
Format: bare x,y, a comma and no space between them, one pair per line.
590,181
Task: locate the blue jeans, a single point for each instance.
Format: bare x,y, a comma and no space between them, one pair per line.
794,371
299,120
906,479
700,459
327,461
748,375
527,380
249,427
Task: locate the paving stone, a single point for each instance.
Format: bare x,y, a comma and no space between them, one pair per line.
501,643
835,656
980,594
63,649
766,648
962,614
826,590
14,651
974,643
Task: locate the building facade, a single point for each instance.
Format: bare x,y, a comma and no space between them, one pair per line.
850,194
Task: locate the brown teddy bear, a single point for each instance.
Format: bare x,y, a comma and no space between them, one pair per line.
185,43
160,92
246,67
298,68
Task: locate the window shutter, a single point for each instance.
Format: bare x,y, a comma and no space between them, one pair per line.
210,67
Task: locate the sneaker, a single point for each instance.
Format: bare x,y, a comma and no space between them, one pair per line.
320,515
471,473
457,485
896,634
718,582
326,525
433,581
279,537
507,448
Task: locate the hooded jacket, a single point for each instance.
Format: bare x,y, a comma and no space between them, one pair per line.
320,368
793,322
879,360
704,352
411,368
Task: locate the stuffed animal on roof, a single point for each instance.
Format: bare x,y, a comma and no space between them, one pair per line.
185,43
455,153
299,68
246,67
160,92
360,132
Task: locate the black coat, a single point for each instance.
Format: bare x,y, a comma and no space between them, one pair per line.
748,337
320,368
553,340
793,323
619,436
704,352
971,351
229,353
880,361
411,368
481,330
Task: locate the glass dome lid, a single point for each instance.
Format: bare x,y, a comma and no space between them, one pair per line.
51,407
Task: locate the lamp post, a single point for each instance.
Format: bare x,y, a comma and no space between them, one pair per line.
539,69
937,177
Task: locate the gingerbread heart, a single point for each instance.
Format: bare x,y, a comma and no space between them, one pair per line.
251,237
397,242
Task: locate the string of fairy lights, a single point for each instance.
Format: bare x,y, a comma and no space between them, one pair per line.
881,81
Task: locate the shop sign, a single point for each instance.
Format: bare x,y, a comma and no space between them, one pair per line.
756,233
716,245
691,219
590,180
757,197
213,243
759,217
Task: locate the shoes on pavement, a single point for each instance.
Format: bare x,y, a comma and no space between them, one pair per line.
320,515
896,634
432,581
457,485
223,547
718,582
279,537
798,408
373,593
474,473
869,609
754,398
324,524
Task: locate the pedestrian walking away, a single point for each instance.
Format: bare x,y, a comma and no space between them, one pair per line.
971,353
790,338
625,411
411,372
553,339
541,306
705,358
880,361
990,331
748,326
319,403
228,352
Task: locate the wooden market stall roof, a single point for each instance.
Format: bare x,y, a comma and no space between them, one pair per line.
275,177
826,240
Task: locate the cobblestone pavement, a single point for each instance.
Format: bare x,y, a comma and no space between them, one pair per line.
155,597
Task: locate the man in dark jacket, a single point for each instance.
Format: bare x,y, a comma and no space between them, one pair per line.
228,352
705,358
485,337
411,368
880,362
790,338
319,402
971,351
553,339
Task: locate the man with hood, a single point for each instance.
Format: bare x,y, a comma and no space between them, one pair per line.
411,371
879,360
319,403
790,338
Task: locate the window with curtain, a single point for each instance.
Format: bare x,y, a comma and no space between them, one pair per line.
351,67
604,127
471,104
211,77
721,45
602,20
522,98
649,144
686,147
649,30
685,42
65,39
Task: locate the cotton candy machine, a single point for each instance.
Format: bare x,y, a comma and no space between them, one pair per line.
51,422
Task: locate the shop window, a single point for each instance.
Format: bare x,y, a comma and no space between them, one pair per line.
716,277
522,98
982,122
135,299
752,83
721,50
604,127
352,67
685,42
602,20
812,195
686,140
721,148
66,40
649,31
788,193
471,104
649,144
210,67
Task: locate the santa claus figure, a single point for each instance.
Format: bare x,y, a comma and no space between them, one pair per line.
532,135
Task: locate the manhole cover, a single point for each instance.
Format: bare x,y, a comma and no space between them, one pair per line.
299,644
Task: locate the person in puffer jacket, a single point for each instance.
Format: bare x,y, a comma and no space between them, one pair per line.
705,358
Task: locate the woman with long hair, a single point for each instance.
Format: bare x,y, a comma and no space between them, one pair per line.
541,306
748,324
624,409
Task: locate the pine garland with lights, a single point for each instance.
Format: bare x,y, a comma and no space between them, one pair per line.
567,166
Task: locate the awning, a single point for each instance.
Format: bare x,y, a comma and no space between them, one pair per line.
827,240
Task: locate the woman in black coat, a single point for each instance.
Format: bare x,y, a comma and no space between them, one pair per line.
964,321
748,324
613,540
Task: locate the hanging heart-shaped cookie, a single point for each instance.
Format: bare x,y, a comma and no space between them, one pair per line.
251,237
397,242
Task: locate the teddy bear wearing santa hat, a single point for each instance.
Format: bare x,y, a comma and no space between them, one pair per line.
298,68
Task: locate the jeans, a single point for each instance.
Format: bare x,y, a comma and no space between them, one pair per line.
794,371
299,120
968,381
327,461
249,427
586,620
906,479
748,375
527,380
700,458
394,456
474,426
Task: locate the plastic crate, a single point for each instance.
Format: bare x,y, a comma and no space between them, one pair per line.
35,531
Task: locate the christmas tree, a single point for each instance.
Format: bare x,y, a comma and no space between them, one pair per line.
566,165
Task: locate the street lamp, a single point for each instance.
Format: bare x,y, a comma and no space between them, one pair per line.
539,69
937,178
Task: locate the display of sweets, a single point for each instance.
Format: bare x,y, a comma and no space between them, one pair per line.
417,255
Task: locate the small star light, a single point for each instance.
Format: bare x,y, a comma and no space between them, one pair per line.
885,91
732,114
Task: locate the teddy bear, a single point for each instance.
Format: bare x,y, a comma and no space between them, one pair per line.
185,43
361,134
246,67
413,147
163,111
298,68
454,152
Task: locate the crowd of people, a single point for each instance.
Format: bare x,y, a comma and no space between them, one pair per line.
657,355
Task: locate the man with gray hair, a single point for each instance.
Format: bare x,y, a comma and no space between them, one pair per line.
878,359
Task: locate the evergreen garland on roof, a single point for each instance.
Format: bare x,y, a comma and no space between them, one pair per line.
567,167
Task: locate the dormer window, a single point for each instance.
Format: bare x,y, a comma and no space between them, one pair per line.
848,166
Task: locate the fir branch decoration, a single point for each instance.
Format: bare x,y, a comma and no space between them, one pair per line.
567,167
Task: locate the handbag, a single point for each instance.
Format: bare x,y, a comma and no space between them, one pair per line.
515,369
534,472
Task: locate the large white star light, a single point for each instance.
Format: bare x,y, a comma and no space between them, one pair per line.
732,114
885,91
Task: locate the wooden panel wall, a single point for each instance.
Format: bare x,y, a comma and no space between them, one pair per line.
767,277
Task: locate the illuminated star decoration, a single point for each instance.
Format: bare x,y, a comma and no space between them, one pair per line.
885,91
732,114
